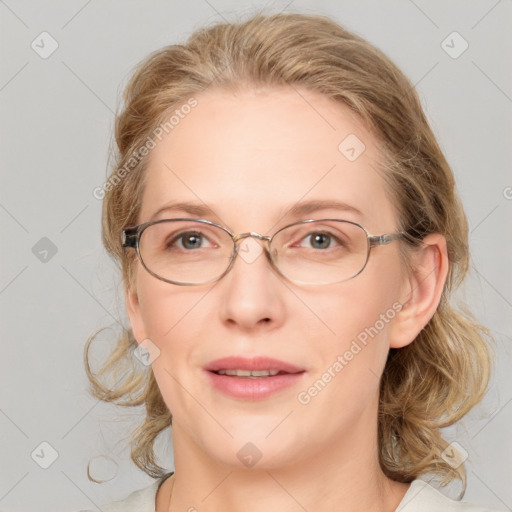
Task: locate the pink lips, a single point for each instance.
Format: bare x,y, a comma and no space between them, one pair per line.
253,363
252,388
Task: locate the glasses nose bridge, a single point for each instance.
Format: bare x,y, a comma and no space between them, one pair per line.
251,234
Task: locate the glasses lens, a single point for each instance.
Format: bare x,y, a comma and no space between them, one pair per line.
320,252
186,251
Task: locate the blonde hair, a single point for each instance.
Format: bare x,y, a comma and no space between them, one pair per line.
427,385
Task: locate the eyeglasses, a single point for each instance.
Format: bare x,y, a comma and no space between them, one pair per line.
197,251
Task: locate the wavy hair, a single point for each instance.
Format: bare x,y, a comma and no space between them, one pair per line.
427,385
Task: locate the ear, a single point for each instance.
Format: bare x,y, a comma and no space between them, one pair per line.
423,288
135,315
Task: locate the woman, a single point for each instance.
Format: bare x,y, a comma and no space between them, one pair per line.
289,234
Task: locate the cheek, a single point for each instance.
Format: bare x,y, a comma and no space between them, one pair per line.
172,318
350,362
166,308
358,307
358,315
178,321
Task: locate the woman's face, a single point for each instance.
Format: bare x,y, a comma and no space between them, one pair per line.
248,159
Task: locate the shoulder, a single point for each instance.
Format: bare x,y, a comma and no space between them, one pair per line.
141,500
423,497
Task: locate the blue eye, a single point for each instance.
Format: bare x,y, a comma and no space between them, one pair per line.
187,240
191,240
320,240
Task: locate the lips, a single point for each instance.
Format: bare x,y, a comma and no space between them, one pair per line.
251,379
254,364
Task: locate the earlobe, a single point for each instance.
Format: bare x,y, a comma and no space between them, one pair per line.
135,316
424,288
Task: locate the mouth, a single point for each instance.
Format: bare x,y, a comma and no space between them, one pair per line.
248,374
258,366
252,379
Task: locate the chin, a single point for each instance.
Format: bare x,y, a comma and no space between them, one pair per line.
253,452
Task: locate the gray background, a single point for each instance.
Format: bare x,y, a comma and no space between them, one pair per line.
56,119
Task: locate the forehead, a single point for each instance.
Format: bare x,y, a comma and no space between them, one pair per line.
253,155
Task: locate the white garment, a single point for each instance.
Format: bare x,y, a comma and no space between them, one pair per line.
420,497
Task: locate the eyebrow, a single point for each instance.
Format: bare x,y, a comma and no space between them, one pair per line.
299,209
196,209
307,207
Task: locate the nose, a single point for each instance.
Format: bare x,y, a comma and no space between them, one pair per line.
252,292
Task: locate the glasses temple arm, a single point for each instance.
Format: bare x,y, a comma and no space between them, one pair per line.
385,239
129,238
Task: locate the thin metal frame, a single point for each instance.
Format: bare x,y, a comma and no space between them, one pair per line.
130,237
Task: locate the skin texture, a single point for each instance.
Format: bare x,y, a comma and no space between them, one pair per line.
250,157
